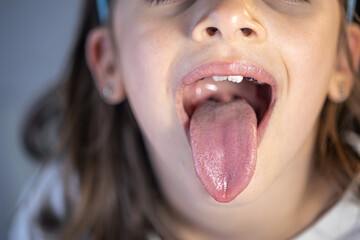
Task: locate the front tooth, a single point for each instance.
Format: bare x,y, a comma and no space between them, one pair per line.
219,78
236,79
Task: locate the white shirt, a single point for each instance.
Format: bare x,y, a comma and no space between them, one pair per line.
342,221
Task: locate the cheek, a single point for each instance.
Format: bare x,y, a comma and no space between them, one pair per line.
310,68
308,47
146,66
309,58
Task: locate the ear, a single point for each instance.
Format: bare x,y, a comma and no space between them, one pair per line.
342,80
102,61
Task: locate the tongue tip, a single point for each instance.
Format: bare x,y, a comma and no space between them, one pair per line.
224,198
227,195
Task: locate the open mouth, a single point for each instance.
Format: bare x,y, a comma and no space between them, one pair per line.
225,109
226,89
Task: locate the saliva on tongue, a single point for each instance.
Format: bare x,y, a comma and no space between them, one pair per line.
224,145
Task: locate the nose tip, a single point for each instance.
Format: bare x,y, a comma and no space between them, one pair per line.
230,22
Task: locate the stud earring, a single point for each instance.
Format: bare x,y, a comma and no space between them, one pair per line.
107,91
342,88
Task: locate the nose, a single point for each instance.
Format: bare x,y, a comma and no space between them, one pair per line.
229,20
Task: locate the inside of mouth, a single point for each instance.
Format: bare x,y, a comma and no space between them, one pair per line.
258,96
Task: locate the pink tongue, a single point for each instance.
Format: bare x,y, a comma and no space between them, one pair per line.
223,141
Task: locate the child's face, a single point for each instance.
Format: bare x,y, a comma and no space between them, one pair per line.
292,42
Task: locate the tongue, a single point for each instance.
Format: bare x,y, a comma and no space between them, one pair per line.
223,141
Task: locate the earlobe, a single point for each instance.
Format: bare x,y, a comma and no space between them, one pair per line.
341,84
102,61
340,88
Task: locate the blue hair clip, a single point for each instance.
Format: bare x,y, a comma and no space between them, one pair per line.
103,10
351,8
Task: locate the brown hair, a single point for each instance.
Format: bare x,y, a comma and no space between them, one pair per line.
334,158
118,194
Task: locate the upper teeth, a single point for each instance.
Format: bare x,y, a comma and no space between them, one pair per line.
219,78
236,79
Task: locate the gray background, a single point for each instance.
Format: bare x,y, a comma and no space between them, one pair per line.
35,37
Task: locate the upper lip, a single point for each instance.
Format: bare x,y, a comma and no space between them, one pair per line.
220,68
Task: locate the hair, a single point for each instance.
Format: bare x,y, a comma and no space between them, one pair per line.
334,158
102,145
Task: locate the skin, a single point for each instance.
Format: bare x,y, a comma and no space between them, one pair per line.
150,48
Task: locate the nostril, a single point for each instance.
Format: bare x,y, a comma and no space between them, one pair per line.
246,31
211,31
